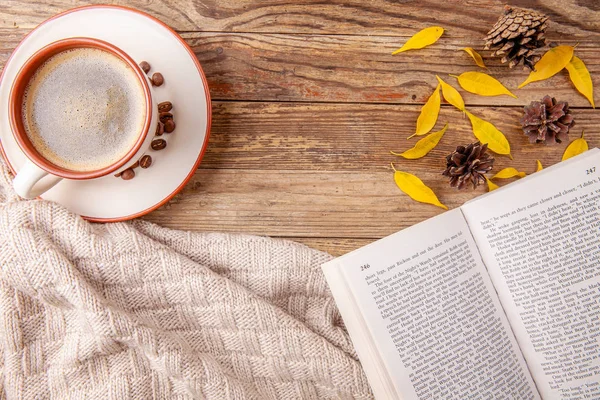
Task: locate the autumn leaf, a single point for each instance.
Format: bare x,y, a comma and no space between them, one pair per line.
429,114
580,76
509,172
491,185
451,95
482,84
539,166
423,146
575,148
421,39
550,64
475,55
416,189
485,132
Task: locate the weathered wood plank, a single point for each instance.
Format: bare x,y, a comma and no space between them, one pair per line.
334,246
316,204
348,137
359,69
336,68
299,203
374,17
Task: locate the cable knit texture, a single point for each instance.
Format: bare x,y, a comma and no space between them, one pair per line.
135,311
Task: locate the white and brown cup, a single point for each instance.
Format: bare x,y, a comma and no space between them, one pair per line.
27,182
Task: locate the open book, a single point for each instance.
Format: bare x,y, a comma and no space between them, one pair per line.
499,298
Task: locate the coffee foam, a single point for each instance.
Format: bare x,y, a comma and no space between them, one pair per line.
84,109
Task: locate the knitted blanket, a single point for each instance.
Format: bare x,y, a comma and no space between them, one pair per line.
133,310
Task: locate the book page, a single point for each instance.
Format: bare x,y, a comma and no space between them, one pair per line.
434,316
540,239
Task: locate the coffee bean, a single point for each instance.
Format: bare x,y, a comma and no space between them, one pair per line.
145,66
157,79
135,164
165,116
160,129
158,144
169,126
165,106
145,161
118,175
128,174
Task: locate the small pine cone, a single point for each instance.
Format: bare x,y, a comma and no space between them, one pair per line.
547,121
467,165
517,35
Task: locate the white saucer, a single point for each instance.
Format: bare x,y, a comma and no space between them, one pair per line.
143,38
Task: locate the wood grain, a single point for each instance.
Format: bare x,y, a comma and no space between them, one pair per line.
350,137
374,17
300,203
334,246
360,69
316,204
337,68
308,101
322,170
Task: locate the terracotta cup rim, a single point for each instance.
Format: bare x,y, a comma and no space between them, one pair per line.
16,98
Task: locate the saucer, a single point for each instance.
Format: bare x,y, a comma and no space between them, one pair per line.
144,38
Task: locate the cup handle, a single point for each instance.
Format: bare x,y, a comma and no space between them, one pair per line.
26,182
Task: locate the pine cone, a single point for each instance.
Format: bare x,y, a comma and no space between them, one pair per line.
547,121
517,35
467,165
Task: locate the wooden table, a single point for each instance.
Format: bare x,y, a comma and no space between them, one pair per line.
308,101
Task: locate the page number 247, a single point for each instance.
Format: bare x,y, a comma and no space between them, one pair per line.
590,171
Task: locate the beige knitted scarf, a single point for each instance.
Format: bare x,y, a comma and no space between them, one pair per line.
135,311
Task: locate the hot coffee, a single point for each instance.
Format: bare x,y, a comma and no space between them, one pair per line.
84,109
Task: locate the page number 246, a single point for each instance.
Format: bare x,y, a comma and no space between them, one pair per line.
590,171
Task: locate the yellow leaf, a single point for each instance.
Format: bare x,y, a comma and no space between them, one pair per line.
423,146
429,113
575,148
421,39
476,56
550,64
416,189
482,84
580,76
485,132
539,166
451,95
509,172
491,185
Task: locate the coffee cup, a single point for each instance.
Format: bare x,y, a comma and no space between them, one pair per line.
79,108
